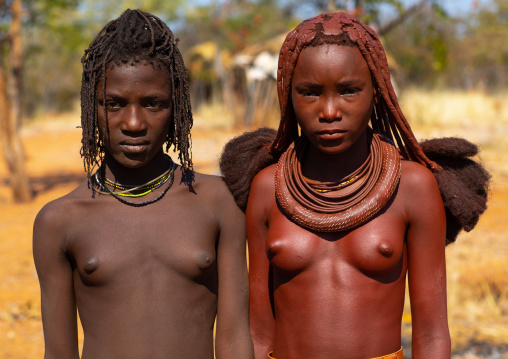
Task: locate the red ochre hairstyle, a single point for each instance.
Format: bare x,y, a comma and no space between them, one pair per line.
463,183
343,29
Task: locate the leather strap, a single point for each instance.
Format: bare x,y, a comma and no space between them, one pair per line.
397,355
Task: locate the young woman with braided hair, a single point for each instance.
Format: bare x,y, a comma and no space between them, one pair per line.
348,210
148,251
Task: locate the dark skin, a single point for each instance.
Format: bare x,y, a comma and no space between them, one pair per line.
341,295
148,282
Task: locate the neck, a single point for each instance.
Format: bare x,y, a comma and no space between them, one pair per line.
332,167
115,172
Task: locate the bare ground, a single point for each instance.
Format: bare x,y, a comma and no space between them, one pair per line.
478,311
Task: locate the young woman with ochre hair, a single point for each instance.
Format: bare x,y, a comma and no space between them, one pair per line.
148,251
339,214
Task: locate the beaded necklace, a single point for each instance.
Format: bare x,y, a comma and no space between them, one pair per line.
126,190
141,190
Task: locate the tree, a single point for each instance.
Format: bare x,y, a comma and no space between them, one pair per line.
480,56
11,78
422,43
10,101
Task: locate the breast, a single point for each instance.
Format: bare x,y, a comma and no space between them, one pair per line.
122,256
375,249
290,248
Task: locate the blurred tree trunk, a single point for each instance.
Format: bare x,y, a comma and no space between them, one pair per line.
412,10
332,7
10,101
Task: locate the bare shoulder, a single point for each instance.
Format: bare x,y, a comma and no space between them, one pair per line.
419,190
262,193
212,194
55,215
416,177
264,180
211,186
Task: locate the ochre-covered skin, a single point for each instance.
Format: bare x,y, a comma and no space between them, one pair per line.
343,29
147,281
341,294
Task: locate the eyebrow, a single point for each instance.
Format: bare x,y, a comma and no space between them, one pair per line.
350,83
152,96
341,84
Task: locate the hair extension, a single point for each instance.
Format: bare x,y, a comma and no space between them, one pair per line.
463,183
136,37
343,29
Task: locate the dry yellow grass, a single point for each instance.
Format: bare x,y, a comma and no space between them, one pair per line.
477,263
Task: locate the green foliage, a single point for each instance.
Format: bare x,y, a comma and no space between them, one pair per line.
56,33
483,50
371,11
421,46
236,24
430,47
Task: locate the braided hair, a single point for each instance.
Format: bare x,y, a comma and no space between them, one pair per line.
463,183
136,37
343,29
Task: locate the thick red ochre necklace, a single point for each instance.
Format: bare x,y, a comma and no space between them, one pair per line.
342,205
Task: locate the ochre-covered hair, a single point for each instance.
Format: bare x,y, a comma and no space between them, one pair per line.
343,29
136,37
463,182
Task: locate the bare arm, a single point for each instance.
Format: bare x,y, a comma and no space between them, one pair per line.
426,264
232,335
58,305
262,324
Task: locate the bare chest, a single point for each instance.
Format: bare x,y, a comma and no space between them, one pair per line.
129,244
375,248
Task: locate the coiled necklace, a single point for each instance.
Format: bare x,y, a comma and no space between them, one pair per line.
337,206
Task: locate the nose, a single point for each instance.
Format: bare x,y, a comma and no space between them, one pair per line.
330,110
134,121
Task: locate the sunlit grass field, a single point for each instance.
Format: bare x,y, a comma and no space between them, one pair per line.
477,264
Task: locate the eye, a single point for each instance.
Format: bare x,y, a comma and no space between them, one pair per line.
153,104
350,91
307,92
112,105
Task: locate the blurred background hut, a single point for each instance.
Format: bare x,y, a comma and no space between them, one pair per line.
448,58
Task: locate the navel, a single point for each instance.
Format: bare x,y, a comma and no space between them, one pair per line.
91,264
386,250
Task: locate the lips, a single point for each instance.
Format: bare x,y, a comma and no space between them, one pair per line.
134,145
333,134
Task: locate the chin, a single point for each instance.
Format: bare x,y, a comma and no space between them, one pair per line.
133,160
331,147
331,150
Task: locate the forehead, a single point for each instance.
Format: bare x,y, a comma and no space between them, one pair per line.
332,58
137,76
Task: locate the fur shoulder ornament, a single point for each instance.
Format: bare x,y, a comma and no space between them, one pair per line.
463,182
241,160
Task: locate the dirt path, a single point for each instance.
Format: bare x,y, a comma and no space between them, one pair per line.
55,168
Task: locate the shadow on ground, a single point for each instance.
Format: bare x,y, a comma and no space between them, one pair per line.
42,184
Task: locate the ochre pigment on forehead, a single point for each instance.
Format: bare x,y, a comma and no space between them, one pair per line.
343,29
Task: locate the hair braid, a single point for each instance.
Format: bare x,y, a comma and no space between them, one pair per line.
135,37
343,29
463,182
